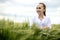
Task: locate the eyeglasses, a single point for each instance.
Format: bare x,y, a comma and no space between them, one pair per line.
38,7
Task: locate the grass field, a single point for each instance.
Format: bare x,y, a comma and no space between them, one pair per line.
10,30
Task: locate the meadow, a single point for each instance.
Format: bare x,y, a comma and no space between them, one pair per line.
10,30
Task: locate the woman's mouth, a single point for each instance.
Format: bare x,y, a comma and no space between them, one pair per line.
38,11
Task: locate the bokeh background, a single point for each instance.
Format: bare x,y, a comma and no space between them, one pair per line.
23,10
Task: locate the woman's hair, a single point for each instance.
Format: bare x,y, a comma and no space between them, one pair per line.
44,8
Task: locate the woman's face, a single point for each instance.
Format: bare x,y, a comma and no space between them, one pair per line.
40,9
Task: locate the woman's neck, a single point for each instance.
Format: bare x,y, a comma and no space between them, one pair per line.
41,17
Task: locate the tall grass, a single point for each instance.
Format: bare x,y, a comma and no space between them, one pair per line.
10,30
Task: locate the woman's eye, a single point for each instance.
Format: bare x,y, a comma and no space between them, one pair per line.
38,8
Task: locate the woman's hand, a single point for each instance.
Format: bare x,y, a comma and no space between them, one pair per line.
44,28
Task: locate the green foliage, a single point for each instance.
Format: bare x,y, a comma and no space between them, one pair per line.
10,30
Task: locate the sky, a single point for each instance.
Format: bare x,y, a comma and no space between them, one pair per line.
21,10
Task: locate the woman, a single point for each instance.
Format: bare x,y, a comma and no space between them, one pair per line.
42,21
